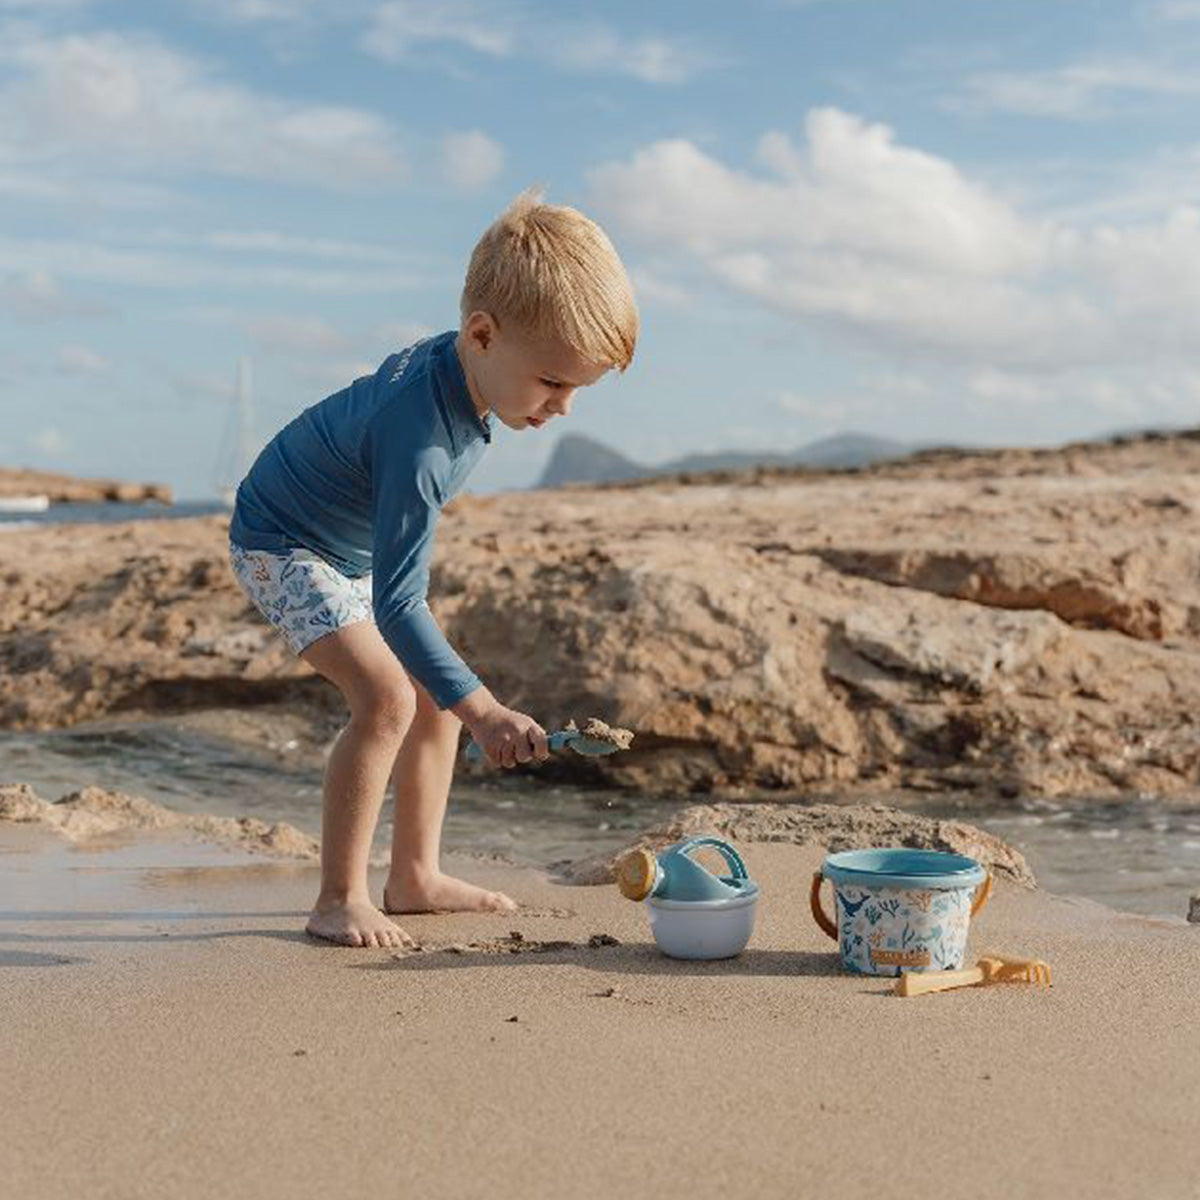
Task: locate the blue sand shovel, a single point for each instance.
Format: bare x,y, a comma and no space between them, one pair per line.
560,739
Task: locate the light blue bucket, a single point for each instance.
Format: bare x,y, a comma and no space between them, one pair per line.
901,910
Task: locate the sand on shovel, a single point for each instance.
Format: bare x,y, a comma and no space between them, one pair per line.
598,731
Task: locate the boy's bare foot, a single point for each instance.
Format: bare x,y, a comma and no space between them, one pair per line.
355,923
442,893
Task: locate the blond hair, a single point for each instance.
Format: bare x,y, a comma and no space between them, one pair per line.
552,272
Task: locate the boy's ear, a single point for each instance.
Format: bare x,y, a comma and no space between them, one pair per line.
481,329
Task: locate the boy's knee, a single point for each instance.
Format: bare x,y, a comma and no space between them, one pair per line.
388,707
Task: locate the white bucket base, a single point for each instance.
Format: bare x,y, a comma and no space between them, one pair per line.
703,929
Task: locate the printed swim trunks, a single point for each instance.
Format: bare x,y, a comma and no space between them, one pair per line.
300,593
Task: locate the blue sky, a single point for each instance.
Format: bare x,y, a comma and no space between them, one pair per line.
954,221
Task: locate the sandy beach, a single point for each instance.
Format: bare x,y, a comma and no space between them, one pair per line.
167,1030
1007,627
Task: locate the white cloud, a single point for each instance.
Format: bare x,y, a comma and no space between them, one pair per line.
49,441
269,242
292,335
1077,91
251,12
116,100
471,160
1178,10
202,387
502,30
909,262
652,283
79,360
329,375
298,336
35,295
991,384
41,7
853,190
831,413
158,269
400,26
651,59
396,335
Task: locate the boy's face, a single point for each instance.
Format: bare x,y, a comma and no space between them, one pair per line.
524,380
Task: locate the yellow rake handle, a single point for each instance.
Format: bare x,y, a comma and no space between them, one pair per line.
918,983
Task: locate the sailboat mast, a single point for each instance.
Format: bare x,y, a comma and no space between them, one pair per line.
237,442
245,403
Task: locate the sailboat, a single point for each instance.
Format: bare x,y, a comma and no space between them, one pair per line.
238,444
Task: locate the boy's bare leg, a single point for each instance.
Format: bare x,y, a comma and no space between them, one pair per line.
422,774
382,704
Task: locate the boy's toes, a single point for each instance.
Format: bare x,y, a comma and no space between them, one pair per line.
499,902
444,893
354,924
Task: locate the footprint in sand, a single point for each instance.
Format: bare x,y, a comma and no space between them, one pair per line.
562,914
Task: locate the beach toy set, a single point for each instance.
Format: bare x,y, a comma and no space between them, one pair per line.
899,912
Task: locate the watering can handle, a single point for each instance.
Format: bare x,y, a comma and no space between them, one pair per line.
732,858
817,911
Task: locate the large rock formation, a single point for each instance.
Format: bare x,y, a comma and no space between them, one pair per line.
1023,622
66,488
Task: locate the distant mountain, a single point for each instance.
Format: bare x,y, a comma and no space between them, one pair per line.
578,458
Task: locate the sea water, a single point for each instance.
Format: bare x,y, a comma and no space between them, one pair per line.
1139,856
109,511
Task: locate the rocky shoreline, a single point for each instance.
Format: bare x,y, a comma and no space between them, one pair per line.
66,489
1003,623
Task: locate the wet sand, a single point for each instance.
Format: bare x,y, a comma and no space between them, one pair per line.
166,1029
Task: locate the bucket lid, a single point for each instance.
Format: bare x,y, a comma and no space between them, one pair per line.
901,867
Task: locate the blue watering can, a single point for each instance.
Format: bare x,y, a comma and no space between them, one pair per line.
674,875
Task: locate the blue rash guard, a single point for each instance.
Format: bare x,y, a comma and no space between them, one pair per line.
360,479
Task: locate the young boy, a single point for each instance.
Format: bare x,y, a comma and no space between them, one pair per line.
333,529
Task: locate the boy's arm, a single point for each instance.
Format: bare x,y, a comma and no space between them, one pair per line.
401,577
405,519
406,504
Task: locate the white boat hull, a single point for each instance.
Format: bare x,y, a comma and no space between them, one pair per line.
24,504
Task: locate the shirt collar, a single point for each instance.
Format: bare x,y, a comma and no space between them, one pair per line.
454,380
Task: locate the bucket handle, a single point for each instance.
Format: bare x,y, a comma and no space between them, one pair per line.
733,860
817,911
982,894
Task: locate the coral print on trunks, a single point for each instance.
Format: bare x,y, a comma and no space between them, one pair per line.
300,593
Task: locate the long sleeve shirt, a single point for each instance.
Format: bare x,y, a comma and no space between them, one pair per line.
360,479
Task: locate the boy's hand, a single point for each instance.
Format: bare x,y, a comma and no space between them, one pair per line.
509,737
505,736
